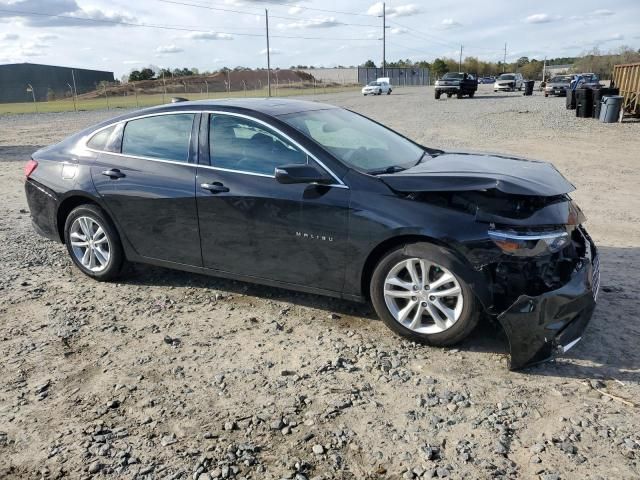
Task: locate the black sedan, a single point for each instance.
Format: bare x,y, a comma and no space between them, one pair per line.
316,198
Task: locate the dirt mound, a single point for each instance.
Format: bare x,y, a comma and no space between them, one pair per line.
235,80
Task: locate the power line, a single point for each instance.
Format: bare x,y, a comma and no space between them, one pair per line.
19,13
244,12
432,38
342,12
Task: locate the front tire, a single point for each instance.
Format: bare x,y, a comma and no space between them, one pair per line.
421,299
93,242
437,95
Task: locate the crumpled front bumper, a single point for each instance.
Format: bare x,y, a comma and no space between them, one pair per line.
542,327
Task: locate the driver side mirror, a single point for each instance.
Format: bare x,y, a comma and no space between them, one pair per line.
288,174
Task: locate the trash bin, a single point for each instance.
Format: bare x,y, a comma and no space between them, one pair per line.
584,102
598,93
571,99
610,108
528,87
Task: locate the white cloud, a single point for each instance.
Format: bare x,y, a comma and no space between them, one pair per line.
272,51
294,10
60,13
450,23
169,49
209,36
9,36
614,37
602,12
399,30
541,18
326,22
399,11
43,37
132,62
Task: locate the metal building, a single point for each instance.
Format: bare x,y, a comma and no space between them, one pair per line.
397,76
48,81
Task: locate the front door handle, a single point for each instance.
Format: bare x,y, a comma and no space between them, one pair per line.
215,187
113,173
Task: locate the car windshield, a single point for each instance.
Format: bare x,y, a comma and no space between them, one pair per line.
561,79
374,84
506,77
453,76
357,141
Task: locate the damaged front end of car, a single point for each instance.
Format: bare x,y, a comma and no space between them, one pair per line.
540,265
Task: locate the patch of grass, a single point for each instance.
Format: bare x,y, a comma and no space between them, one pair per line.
141,101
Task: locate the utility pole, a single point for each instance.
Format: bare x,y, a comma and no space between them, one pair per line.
460,61
504,63
75,90
75,108
544,69
384,38
266,17
164,87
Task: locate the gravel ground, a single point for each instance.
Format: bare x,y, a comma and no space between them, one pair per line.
174,375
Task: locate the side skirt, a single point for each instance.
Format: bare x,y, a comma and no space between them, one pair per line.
244,278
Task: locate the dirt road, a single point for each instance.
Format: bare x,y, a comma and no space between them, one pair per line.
175,375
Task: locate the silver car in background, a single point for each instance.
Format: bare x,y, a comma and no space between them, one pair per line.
558,85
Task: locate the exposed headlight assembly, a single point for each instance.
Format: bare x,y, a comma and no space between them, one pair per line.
530,243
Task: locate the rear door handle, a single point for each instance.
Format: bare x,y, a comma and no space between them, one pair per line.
215,187
113,173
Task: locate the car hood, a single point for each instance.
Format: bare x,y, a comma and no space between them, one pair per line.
460,171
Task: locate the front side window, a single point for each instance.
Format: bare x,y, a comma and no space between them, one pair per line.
355,140
165,137
236,143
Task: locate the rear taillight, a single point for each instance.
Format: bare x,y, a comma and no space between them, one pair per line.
30,167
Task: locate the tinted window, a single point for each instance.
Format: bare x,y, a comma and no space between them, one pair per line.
239,144
100,139
164,137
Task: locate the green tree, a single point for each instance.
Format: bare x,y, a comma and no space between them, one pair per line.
134,76
522,61
146,74
439,67
369,64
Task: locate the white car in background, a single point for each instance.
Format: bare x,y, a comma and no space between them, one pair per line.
508,82
378,87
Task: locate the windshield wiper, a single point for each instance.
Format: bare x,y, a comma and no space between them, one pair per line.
420,159
391,169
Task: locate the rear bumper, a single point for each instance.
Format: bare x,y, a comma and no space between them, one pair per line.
42,203
542,327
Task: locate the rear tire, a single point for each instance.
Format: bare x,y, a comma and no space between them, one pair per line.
459,95
447,330
93,242
389,92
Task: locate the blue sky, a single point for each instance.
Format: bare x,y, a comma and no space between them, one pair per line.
210,34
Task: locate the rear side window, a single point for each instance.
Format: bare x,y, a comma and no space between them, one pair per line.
100,140
165,137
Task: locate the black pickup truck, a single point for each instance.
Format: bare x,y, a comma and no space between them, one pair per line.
460,84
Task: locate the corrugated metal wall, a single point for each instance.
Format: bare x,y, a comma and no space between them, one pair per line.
397,76
44,78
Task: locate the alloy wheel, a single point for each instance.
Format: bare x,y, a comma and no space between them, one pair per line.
423,296
90,243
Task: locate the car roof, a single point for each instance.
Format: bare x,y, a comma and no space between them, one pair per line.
267,106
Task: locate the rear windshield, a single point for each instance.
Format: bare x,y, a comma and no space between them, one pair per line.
561,78
453,76
506,77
